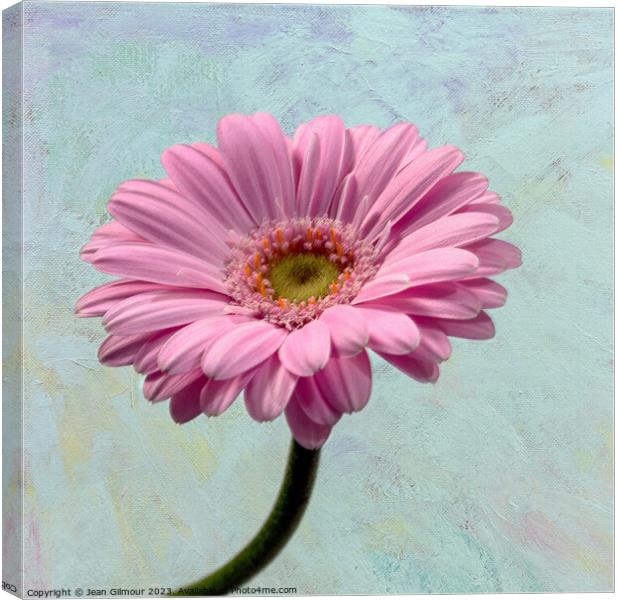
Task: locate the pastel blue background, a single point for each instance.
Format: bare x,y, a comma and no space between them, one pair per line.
497,478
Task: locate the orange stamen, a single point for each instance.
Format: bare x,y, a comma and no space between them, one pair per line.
339,249
257,260
266,243
247,270
280,235
260,284
310,234
334,288
332,234
282,302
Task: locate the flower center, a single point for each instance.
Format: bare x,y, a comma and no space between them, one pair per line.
302,276
289,272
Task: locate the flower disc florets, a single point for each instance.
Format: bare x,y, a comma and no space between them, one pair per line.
289,272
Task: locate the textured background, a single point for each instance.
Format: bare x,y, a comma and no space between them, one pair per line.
499,477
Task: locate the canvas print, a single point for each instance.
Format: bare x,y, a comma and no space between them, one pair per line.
306,300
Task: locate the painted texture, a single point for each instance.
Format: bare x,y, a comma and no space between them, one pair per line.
499,477
12,442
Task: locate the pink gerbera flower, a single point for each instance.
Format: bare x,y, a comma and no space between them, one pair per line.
270,265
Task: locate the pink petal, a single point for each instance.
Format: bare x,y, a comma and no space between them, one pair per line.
282,150
209,151
346,382
184,350
118,351
314,404
349,333
382,158
452,231
419,370
391,332
309,164
486,198
306,432
495,254
384,240
433,266
167,218
159,386
434,343
160,310
100,299
242,348
185,405
217,396
334,161
491,293
489,263
168,183
269,390
450,194
382,285
145,360
363,206
346,202
501,213
167,191
362,137
409,186
253,167
109,234
306,350
115,232
171,222
447,300
158,265
201,178
419,148
479,328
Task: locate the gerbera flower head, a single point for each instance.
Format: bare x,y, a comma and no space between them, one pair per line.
270,266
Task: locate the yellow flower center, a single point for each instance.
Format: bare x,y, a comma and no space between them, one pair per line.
302,276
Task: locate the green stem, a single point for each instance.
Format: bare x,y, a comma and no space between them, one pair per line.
273,535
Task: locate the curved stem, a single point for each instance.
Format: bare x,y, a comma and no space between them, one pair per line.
273,535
